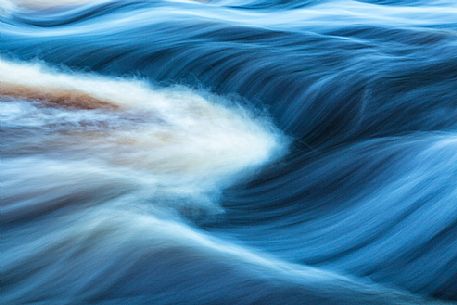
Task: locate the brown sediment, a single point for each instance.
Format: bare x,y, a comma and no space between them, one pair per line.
58,97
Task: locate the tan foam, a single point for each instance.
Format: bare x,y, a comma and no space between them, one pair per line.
61,97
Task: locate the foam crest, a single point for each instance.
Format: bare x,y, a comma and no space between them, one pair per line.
175,135
42,4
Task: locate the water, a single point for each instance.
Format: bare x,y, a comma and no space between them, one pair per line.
228,152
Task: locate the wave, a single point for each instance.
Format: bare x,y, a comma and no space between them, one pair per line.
175,133
228,152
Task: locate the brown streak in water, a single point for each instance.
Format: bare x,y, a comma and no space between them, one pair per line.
65,98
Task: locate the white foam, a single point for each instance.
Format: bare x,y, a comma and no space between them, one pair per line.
174,135
6,7
43,4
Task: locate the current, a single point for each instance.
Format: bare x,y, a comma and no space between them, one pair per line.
271,152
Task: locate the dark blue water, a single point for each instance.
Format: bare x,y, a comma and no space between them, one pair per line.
252,152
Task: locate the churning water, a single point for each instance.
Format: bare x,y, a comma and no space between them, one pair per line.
228,152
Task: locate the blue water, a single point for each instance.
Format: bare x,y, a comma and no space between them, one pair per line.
265,152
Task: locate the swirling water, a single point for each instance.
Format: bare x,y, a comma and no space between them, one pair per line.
228,152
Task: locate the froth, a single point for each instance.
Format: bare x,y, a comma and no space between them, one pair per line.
174,136
43,4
